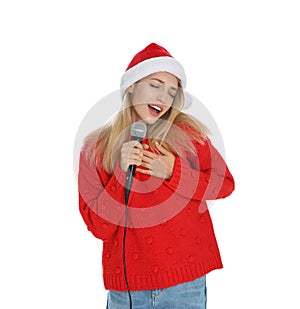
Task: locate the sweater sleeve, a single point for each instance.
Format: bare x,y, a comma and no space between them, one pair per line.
203,176
100,198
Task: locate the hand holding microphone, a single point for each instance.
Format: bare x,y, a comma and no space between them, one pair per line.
132,154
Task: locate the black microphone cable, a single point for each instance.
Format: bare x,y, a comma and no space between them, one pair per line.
123,251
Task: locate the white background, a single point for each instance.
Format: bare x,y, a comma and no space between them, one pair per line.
58,58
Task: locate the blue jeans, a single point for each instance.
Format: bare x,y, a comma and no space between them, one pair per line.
188,295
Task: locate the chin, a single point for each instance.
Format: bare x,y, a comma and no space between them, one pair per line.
150,120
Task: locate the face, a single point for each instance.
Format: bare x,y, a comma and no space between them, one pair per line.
152,96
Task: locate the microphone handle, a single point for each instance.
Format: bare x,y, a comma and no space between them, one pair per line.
129,178
130,173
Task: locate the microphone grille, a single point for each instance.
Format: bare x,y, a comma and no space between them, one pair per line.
138,130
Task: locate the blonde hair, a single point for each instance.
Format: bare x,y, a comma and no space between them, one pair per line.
175,130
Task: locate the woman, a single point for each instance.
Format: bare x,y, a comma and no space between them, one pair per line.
157,249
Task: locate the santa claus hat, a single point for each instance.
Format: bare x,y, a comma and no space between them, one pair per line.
151,59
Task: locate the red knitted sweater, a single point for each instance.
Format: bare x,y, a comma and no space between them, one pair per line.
170,238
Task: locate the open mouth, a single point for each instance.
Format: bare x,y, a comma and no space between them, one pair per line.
154,109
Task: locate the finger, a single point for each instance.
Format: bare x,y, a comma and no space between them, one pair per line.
137,152
146,172
134,162
146,159
150,155
134,154
161,149
132,144
146,165
135,157
129,147
138,146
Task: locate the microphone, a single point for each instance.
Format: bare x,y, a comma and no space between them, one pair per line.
138,131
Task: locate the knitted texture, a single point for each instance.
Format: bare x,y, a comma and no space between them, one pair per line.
170,238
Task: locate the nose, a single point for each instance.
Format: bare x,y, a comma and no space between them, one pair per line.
162,97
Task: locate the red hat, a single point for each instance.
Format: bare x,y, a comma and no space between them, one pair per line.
151,59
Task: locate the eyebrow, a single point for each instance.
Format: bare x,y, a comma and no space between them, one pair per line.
161,81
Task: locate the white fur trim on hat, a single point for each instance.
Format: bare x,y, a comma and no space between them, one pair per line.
150,66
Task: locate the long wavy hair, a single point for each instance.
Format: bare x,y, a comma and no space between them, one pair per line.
175,130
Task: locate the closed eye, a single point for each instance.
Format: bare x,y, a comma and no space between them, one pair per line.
154,85
172,94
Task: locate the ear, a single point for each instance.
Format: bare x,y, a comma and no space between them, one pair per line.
130,89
